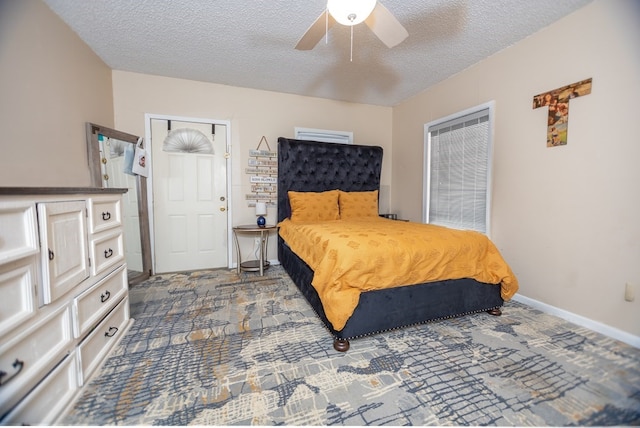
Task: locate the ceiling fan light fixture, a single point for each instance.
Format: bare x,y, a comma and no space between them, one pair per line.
350,12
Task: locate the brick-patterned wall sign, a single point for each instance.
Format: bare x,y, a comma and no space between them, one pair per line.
558,103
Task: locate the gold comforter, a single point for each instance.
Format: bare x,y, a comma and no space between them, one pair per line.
351,256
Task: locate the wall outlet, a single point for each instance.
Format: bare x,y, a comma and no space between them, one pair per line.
629,292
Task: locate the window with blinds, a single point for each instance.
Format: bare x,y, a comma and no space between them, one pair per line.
457,168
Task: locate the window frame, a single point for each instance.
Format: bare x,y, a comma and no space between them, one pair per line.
490,107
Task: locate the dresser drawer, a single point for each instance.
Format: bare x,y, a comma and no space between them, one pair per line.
97,345
29,356
92,305
104,213
107,251
17,288
19,231
49,399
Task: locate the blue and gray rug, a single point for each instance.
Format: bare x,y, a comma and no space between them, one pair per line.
217,348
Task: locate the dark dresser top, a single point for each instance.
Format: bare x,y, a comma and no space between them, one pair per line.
58,190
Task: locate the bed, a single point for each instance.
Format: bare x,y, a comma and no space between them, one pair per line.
318,167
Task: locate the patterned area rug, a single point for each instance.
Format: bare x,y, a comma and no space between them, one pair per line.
217,348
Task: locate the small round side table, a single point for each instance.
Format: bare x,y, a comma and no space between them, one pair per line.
263,234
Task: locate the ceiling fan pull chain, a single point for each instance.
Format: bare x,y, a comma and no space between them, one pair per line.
351,44
326,25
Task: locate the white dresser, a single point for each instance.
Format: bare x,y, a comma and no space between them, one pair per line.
64,299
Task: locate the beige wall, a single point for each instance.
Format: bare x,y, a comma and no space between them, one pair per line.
252,114
51,83
565,218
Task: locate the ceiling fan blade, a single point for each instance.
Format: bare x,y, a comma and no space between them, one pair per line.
316,32
386,26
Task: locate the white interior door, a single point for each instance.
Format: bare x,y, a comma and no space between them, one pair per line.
190,198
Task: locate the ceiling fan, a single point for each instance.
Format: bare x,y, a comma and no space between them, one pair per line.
353,12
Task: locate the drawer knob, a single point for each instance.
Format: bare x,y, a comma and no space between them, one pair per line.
105,296
112,332
106,216
108,253
18,365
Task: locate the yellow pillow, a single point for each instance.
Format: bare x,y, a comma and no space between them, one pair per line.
358,204
314,206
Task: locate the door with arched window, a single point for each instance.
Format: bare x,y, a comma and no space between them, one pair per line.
189,178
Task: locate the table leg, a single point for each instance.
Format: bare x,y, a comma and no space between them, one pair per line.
238,261
261,261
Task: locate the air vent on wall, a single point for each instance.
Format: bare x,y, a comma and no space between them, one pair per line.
323,135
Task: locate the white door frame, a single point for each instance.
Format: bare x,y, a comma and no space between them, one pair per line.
148,117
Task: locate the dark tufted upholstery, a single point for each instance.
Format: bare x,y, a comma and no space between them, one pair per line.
311,166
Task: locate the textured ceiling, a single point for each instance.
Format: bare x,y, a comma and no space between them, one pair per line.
251,43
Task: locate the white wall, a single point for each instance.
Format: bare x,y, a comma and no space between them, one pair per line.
564,218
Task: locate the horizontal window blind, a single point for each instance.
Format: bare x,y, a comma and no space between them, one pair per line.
458,172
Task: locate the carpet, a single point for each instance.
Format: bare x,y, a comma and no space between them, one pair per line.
218,348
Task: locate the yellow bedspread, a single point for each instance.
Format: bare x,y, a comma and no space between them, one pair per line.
351,256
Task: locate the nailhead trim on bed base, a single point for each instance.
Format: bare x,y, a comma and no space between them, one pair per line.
462,314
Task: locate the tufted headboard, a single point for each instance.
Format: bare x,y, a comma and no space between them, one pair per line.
312,166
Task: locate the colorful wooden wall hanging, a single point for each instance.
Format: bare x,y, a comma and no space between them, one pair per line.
558,103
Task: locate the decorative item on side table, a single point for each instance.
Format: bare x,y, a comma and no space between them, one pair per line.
261,211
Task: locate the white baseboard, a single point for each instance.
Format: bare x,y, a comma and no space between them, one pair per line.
607,330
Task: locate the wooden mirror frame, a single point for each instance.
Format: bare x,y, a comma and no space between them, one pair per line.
93,151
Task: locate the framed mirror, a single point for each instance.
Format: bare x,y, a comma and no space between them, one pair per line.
106,150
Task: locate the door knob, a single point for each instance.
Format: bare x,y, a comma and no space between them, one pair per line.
223,208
